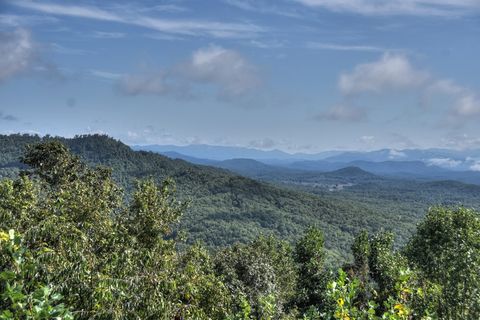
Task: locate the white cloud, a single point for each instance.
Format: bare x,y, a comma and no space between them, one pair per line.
475,166
229,72
265,143
136,18
462,141
342,112
225,68
466,103
395,154
445,8
368,140
153,135
391,72
16,52
394,72
444,162
341,47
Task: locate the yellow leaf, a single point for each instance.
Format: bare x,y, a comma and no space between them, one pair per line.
4,236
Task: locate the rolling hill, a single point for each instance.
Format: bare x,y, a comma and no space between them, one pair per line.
224,207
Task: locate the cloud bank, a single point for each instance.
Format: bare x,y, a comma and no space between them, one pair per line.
395,73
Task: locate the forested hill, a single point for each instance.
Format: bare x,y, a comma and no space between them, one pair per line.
225,207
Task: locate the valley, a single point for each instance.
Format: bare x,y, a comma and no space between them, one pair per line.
237,200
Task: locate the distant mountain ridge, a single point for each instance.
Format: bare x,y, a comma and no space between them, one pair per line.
265,169
220,153
407,160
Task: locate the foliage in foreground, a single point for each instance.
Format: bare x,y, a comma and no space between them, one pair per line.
85,253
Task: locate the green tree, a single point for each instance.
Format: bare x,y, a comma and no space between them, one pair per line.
109,259
313,278
446,248
21,296
262,272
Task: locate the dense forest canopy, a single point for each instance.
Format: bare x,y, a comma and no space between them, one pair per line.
71,248
225,208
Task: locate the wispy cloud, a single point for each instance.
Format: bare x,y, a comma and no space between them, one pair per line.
17,51
265,8
163,36
165,8
266,44
341,47
108,35
70,10
105,75
13,20
445,8
58,48
172,26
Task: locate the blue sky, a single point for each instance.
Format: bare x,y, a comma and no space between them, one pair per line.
295,75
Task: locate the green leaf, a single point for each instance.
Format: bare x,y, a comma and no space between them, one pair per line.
7,275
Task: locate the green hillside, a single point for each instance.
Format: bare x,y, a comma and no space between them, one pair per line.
224,207
405,199
72,248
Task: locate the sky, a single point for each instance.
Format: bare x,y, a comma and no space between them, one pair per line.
293,75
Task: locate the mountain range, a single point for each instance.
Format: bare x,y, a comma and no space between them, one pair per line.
423,164
239,199
446,158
